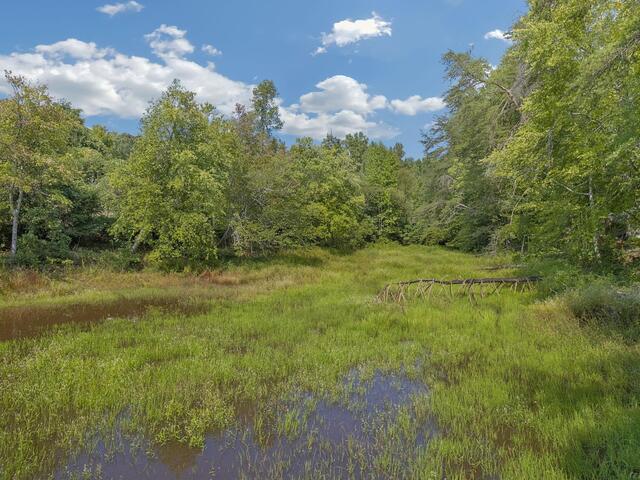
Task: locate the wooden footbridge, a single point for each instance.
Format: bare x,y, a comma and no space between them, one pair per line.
470,287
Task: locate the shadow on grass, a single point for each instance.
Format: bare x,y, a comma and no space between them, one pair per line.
608,450
299,258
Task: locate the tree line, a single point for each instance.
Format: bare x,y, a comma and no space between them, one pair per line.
192,185
539,155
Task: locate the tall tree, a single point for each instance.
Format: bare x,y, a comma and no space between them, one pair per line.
34,134
331,198
356,145
265,107
574,161
170,192
381,175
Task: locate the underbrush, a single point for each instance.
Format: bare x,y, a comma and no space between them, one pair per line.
610,308
607,302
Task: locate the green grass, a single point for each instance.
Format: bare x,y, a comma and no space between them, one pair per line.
518,388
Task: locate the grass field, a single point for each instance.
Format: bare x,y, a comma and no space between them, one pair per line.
510,387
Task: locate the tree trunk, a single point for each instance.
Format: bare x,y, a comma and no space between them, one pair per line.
137,242
594,239
15,213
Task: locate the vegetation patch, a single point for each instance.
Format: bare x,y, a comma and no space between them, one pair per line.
612,308
514,388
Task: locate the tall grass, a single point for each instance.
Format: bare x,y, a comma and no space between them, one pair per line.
519,389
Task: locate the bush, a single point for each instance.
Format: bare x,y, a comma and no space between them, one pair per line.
558,276
608,306
35,252
117,259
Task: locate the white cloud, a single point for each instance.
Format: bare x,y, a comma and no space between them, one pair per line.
103,81
211,50
340,106
497,35
115,8
416,104
106,82
73,48
168,41
341,93
350,31
338,123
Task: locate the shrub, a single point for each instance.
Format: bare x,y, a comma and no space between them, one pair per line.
608,306
117,259
35,252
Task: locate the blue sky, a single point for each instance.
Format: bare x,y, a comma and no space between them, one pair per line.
379,68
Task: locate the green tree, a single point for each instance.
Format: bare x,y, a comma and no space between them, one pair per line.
463,203
383,203
356,145
265,107
35,132
331,198
171,191
574,161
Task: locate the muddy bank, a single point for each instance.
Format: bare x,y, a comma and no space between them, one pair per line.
29,321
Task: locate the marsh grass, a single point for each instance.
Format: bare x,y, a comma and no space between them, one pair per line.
518,389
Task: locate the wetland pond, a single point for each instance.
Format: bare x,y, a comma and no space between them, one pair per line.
376,429
26,321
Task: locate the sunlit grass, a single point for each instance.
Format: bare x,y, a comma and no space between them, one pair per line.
517,389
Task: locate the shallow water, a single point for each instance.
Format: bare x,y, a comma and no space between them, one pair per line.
30,321
356,437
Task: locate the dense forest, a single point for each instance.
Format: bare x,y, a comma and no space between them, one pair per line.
538,155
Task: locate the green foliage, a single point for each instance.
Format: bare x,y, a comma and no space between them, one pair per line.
310,195
332,202
35,251
170,192
609,307
383,204
265,108
120,259
356,145
540,153
572,163
35,133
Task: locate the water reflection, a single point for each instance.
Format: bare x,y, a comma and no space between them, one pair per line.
29,320
374,431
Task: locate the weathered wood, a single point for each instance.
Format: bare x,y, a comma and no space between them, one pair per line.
398,291
473,281
495,268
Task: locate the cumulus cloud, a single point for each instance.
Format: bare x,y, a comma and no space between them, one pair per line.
341,93
498,35
339,123
211,50
73,48
350,31
416,104
340,106
115,8
102,81
168,41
